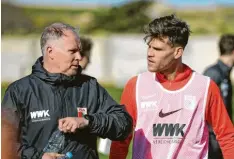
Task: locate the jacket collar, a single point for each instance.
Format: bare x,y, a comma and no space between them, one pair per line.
225,68
52,78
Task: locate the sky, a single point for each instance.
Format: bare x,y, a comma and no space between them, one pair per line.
118,2
73,2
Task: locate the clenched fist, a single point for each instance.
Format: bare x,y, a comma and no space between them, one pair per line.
70,124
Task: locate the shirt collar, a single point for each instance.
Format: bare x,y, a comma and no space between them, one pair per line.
180,76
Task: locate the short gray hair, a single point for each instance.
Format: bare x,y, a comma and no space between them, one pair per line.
54,31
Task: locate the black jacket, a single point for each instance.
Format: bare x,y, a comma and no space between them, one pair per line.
42,98
220,73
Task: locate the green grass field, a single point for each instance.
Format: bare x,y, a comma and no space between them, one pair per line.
116,94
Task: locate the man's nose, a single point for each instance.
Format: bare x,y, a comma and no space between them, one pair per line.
78,56
149,52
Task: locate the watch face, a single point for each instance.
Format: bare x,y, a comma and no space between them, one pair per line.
88,117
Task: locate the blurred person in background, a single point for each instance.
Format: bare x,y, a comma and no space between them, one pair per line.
87,44
57,96
220,74
171,104
85,53
9,134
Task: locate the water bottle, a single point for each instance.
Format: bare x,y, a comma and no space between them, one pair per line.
56,142
68,155
104,146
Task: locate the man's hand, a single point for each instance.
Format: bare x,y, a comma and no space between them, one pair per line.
51,155
70,124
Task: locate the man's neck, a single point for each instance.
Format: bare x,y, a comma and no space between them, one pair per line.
48,67
227,60
171,73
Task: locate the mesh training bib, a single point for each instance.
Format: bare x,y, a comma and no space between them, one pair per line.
171,124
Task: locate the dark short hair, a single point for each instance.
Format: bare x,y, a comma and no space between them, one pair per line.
54,31
169,26
86,45
226,44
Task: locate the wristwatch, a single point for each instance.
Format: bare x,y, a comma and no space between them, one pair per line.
89,118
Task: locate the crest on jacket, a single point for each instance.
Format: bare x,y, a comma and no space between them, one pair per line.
81,112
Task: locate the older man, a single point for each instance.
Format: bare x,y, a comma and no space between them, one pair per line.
56,95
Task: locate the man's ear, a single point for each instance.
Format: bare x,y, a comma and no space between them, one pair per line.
49,52
178,52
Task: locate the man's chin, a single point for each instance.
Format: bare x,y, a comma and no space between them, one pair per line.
72,73
150,69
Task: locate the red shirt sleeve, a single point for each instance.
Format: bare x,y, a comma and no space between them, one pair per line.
119,149
217,117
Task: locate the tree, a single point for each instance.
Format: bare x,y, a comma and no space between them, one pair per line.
14,20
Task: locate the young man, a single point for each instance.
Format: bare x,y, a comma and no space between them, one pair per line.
220,73
57,95
171,104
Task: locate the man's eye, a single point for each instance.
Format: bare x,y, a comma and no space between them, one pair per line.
74,51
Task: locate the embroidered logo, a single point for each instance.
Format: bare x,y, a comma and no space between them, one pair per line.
81,112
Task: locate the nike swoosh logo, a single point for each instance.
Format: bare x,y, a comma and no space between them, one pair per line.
162,115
